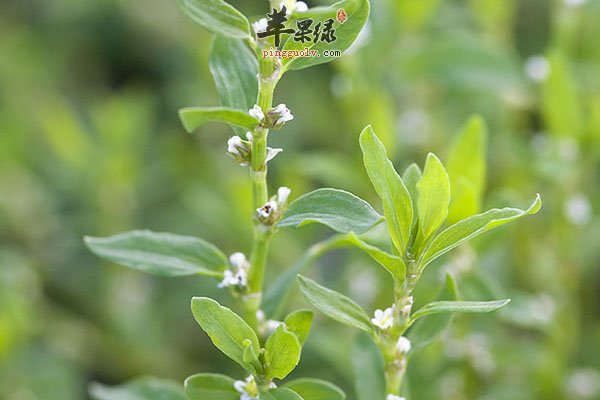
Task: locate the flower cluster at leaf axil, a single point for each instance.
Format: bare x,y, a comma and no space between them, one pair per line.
273,210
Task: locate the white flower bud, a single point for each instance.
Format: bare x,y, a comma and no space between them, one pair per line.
267,212
403,346
239,150
257,113
260,25
282,196
278,116
271,153
301,7
394,397
237,275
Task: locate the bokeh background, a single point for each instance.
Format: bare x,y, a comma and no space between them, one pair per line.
90,143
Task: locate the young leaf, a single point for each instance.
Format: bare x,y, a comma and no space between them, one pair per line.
445,307
280,394
411,176
471,227
369,372
146,388
250,358
358,14
315,389
466,170
225,328
234,68
335,305
393,264
299,323
210,387
341,211
434,197
425,331
397,206
218,17
194,117
162,254
282,353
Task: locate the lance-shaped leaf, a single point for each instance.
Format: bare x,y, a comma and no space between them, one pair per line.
466,170
315,389
218,17
194,117
282,353
210,387
434,197
299,323
146,388
251,360
225,328
397,206
346,33
280,394
234,68
335,305
427,330
411,176
445,307
393,264
162,254
340,210
369,370
471,227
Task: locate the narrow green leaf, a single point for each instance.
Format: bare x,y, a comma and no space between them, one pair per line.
396,201
146,388
340,210
445,307
250,358
425,331
194,117
282,353
299,323
411,176
225,328
162,254
368,367
315,389
471,227
335,305
434,197
210,387
234,68
280,394
358,14
466,166
393,264
218,17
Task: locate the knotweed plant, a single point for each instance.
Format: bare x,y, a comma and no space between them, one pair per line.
258,335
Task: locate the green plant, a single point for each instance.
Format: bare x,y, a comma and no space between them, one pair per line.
415,207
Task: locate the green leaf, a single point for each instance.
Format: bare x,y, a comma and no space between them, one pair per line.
251,360
341,211
425,331
210,387
194,117
411,176
234,68
146,388
315,389
335,305
162,254
434,197
299,323
280,394
466,166
393,264
471,227
218,17
397,206
282,353
368,367
445,307
358,14
225,328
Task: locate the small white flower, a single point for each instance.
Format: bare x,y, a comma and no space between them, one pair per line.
238,261
279,115
403,345
239,150
301,7
260,25
537,67
234,144
238,274
271,153
247,388
282,196
384,319
394,397
407,306
257,113
272,325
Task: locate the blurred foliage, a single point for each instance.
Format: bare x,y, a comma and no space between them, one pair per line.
90,143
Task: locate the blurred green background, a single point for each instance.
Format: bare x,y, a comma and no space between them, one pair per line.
90,143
